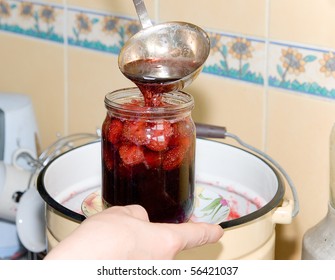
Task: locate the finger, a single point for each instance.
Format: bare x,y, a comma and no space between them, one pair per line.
196,234
205,233
137,211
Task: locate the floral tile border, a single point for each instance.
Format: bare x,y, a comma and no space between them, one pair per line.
302,69
43,21
99,31
236,57
298,68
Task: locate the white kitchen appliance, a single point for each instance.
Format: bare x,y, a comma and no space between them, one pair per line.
18,137
18,128
18,143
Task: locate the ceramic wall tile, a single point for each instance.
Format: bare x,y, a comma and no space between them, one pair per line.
239,16
298,138
236,106
36,68
91,76
291,66
100,31
302,69
119,7
52,2
307,22
236,57
34,19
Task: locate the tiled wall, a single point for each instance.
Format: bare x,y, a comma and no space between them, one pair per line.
270,76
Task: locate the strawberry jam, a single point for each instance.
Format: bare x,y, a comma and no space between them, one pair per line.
148,154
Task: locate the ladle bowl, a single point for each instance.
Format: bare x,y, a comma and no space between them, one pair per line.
171,53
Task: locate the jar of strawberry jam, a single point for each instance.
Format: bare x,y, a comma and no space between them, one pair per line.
148,154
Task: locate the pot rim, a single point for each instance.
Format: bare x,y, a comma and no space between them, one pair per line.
274,202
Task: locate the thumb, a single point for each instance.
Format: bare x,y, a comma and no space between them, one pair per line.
196,234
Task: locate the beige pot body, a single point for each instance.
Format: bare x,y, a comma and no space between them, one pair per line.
254,238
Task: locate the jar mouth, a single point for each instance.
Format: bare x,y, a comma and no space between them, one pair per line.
176,103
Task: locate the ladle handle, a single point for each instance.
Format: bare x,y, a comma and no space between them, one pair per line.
211,131
142,13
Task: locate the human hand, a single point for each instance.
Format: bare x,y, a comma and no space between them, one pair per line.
126,233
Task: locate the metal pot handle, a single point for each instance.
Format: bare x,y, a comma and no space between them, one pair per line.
212,131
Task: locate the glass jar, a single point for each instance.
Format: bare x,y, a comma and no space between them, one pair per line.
148,154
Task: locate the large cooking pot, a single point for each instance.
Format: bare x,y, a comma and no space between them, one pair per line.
253,187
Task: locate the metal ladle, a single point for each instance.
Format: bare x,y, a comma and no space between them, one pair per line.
171,53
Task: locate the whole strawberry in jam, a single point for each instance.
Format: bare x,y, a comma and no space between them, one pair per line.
114,130
159,135
131,154
136,132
